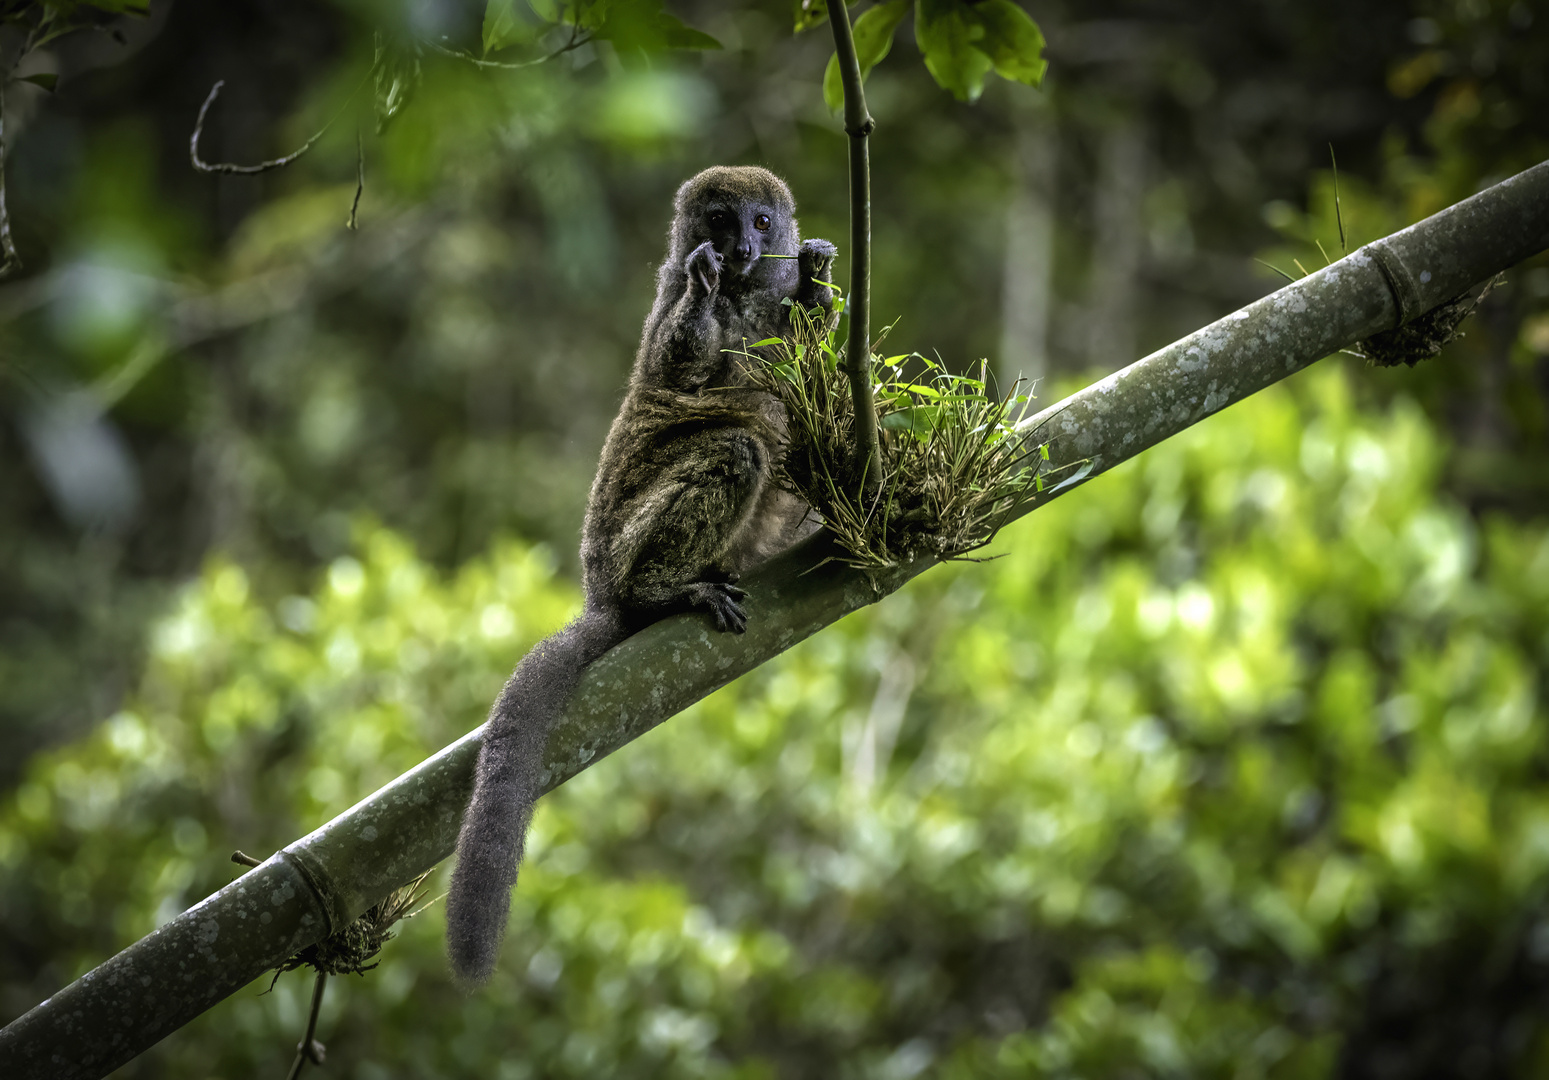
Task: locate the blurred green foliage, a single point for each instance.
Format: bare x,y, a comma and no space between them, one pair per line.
1226,750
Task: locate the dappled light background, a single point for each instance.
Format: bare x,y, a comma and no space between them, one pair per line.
1232,764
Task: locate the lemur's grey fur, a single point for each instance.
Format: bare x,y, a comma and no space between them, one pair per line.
682,504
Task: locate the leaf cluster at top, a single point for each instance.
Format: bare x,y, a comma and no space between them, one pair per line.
962,42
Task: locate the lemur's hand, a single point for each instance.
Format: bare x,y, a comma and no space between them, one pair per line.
817,259
815,264
704,269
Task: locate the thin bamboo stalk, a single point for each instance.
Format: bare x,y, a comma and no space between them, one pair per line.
859,125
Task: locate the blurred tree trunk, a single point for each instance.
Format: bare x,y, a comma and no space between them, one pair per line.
1119,219
1027,294
223,462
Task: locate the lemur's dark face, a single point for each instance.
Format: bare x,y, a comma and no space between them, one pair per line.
747,214
743,232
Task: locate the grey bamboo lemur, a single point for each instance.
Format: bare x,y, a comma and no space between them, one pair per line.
682,504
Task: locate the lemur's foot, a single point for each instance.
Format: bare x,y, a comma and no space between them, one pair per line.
722,600
704,268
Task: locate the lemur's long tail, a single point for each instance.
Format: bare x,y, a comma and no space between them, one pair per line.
506,785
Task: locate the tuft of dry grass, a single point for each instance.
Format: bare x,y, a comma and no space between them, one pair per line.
955,464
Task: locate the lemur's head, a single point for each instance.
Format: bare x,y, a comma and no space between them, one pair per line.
746,211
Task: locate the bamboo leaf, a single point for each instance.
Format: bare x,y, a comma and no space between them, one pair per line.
947,32
810,13
1013,41
873,33
506,25
642,27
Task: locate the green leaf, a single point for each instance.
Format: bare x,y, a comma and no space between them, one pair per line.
963,42
1080,475
873,33
586,14
948,32
397,78
680,36
1013,41
833,85
47,80
504,27
810,13
640,26
592,14
918,420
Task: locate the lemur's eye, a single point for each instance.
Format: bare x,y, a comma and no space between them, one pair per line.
761,223
718,219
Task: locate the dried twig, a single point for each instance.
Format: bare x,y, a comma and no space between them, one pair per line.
577,39
263,166
309,1049
10,261
360,178
241,170
1339,217
343,953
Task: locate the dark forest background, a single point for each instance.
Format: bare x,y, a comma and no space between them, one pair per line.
1233,765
